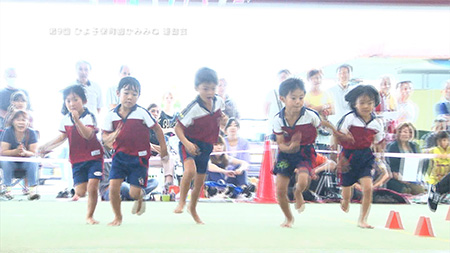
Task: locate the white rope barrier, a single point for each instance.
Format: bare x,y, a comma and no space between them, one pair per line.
156,159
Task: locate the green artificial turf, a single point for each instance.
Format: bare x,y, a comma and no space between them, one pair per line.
59,226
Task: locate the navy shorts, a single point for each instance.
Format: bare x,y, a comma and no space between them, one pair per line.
130,168
201,160
287,163
360,162
84,171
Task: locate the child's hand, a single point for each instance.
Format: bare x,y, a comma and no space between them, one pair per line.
192,149
297,137
345,137
75,115
314,174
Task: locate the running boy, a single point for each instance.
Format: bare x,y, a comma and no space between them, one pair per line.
295,127
86,152
198,129
127,128
356,159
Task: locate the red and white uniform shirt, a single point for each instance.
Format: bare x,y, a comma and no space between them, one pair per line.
201,124
306,124
82,150
364,133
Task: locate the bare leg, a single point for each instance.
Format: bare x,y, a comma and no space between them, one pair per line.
346,196
188,175
114,196
282,183
92,188
137,193
366,184
192,207
302,184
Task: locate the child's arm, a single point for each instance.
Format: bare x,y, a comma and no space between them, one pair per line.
191,148
338,134
243,165
109,138
84,131
291,147
162,141
214,168
49,146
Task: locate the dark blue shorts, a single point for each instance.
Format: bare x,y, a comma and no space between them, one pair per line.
84,171
360,161
130,168
287,163
201,161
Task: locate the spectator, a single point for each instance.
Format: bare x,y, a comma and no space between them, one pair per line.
112,99
440,165
320,101
429,139
403,144
339,91
19,141
442,108
407,109
93,90
273,104
230,106
19,101
5,94
217,166
168,164
168,115
387,104
234,144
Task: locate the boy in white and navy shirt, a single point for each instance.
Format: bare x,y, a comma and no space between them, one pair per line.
198,129
127,128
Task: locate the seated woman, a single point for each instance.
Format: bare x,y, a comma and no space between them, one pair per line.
217,167
404,135
235,143
19,141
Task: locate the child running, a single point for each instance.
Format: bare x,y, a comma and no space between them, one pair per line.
295,127
356,159
127,130
198,129
86,152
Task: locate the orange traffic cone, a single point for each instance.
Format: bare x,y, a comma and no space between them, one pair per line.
448,214
424,227
266,187
394,221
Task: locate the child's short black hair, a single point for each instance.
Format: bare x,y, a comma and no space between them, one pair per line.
399,84
130,82
152,105
442,135
75,89
313,72
206,75
346,66
290,85
362,90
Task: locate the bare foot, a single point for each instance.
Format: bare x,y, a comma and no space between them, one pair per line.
91,221
345,206
179,208
194,215
75,198
287,223
364,225
300,208
115,222
138,207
